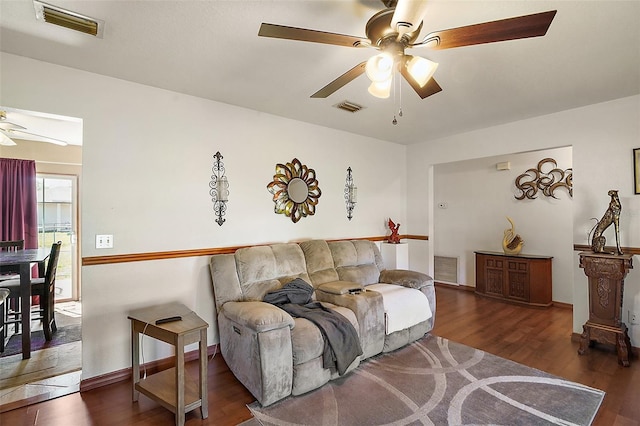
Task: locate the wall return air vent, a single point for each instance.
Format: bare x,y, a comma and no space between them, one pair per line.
65,18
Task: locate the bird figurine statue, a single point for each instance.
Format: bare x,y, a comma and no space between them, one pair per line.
512,242
394,238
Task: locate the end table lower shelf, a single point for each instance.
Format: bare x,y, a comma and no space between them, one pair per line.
161,387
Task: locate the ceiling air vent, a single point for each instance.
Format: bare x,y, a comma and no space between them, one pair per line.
65,18
349,106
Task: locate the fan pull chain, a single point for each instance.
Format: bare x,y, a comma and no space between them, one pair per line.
396,81
394,121
400,91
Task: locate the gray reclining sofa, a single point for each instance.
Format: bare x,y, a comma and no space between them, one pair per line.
274,355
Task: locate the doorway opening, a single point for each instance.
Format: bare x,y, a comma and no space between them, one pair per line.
54,368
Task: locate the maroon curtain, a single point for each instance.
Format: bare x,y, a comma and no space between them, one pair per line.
19,213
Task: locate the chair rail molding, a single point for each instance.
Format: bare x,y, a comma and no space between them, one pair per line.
159,255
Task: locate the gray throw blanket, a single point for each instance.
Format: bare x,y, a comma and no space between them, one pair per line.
341,343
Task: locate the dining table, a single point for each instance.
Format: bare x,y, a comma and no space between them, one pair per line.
25,259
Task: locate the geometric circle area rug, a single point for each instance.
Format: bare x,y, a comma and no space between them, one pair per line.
434,381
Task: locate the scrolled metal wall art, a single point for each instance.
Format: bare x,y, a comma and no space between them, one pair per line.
219,188
534,180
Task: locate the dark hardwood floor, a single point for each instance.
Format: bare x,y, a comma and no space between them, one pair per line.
540,338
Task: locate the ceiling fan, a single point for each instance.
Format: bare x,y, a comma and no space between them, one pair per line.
9,129
397,28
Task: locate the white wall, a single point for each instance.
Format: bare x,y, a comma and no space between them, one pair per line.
147,160
146,169
602,137
478,198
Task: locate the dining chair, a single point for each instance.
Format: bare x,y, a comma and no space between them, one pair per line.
4,293
10,272
43,287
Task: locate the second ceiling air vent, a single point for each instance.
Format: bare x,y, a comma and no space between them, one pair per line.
349,106
65,18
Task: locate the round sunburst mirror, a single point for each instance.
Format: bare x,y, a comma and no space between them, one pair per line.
295,190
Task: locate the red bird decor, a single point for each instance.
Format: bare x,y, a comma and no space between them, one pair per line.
394,238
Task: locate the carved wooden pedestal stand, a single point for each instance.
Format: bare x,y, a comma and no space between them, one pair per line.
606,274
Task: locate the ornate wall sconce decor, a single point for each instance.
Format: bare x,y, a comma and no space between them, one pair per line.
534,180
219,188
350,194
295,190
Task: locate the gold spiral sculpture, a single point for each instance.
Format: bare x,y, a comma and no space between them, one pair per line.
512,242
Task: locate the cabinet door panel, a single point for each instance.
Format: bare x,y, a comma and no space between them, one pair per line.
495,281
518,280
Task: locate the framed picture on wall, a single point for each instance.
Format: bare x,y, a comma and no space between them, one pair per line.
636,170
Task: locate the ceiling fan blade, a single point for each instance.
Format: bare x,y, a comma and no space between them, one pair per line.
408,15
431,88
489,32
44,138
345,78
314,36
6,140
7,125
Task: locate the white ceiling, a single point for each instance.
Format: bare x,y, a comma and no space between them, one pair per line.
42,126
211,49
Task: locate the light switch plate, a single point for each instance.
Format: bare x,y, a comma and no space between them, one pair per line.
104,241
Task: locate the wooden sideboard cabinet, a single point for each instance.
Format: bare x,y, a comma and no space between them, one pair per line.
522,278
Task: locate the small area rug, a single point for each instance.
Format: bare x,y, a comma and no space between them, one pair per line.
438,382
64,335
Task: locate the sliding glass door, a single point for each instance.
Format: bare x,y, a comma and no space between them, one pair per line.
57,221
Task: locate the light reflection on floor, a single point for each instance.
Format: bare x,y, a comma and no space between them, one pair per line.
49,388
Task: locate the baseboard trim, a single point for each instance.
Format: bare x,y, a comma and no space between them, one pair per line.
562,305
575,337
151,367
462,287
465,287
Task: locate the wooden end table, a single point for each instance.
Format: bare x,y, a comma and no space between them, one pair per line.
169,387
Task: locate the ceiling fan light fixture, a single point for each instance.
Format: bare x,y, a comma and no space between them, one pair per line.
381,89
379,67
397,28
421,69
6,140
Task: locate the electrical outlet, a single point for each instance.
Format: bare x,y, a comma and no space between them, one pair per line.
634,317
104,241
